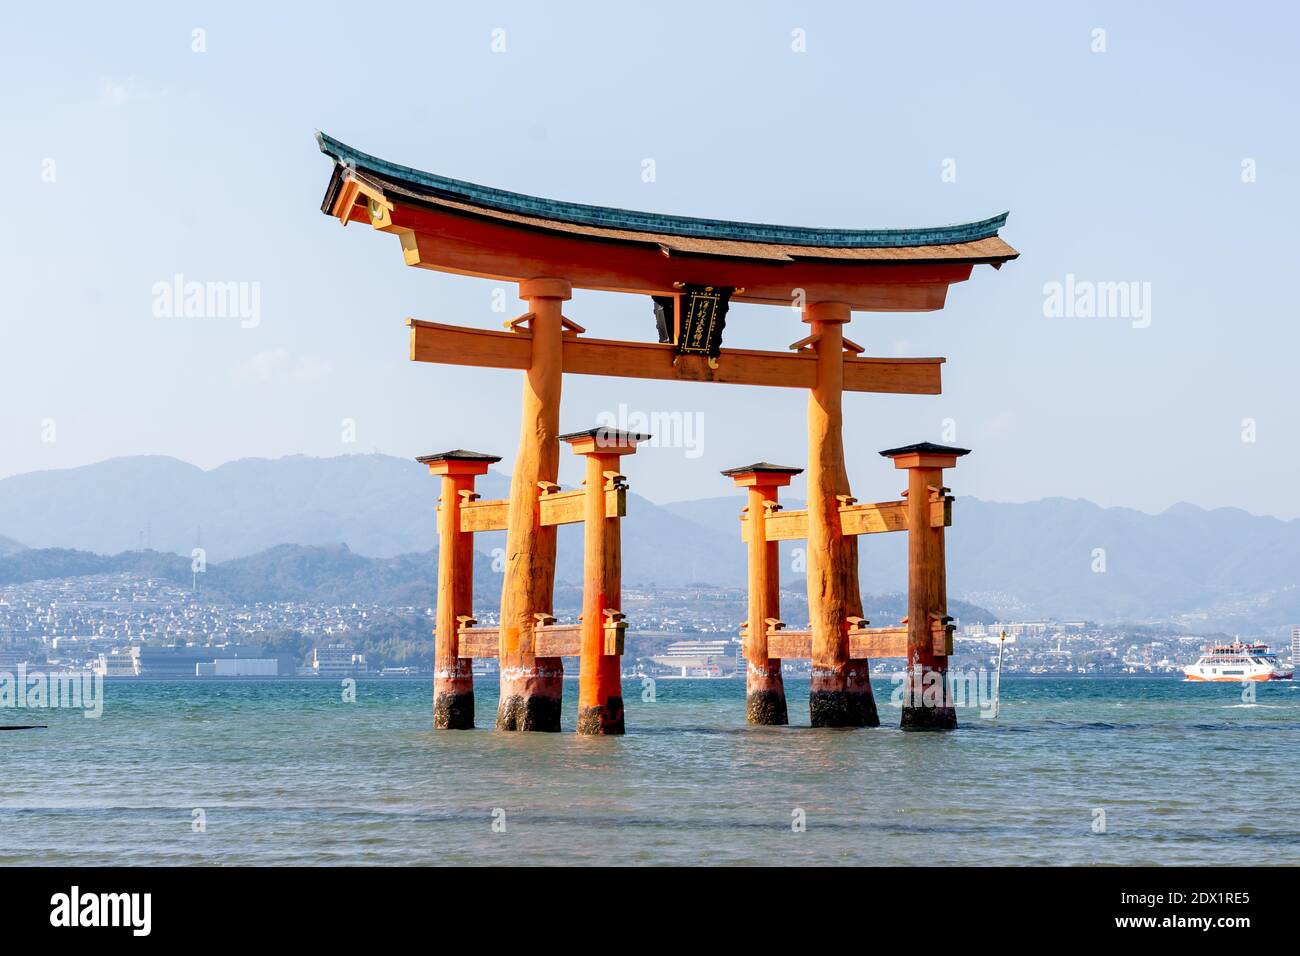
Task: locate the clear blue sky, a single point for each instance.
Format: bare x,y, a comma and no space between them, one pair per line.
1122,165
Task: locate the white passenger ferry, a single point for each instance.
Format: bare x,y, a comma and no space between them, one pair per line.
1237,662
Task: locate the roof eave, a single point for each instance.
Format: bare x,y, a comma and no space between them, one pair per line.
417,184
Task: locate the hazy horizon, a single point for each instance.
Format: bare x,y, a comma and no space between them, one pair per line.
796,490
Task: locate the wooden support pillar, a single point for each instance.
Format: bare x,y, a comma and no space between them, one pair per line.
453,678
927,703
840,692
764,686
600,681
531,686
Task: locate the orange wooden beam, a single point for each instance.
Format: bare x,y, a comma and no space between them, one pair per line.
927,704
864,642
878,518
550,640
488,348
449,241
532,683
764,686
453,679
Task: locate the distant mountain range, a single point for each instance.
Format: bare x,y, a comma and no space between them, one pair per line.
287,572
380,506
1066,558
1222,569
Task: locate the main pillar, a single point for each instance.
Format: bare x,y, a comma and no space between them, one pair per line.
531,686
453,676
927,703
840,692
764,687
600,680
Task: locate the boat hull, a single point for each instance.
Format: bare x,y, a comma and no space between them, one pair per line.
1235,680
1235,663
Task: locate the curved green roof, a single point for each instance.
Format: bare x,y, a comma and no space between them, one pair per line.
418,181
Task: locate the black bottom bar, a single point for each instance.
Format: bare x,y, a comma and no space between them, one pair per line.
1149,906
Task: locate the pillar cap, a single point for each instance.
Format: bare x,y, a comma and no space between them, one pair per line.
827,312
762,473
604,440
458,461
925,454
544,287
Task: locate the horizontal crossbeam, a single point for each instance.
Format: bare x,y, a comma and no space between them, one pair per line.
883,516
559,507
553,640
864,642
488,348
549,640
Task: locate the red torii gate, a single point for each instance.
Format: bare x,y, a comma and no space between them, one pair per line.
692,269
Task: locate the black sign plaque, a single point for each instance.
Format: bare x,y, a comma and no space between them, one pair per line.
703,317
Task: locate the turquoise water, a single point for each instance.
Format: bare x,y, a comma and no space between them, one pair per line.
286,772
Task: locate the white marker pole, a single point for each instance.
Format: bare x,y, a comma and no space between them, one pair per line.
997,690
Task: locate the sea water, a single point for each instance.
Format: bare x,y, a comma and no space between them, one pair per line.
1074,771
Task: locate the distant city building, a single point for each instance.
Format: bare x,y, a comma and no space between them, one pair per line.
1295,645
9,660
118,665
68,624
239,667
165,662
183,662
337,660
698,658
